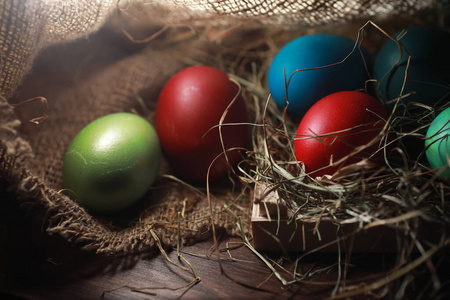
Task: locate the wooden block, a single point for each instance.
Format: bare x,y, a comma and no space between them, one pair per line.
273,230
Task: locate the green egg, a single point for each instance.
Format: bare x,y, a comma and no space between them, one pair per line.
438,143
112,162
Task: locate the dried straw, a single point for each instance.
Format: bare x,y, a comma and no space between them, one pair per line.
404,194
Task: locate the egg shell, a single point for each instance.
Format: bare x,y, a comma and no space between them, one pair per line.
334,126
428,73
307,87
112,162
190,106
438,143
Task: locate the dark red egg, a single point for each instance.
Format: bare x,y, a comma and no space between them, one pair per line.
189,107
334,126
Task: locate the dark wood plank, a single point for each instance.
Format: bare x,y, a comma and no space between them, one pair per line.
34,265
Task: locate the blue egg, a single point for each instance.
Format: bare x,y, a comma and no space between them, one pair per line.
428,73
307,87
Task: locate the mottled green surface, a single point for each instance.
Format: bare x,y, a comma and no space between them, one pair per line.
112,162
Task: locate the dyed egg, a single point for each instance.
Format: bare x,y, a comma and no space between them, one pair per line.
307,87
190,106
428,72
438,143
112,162
334,126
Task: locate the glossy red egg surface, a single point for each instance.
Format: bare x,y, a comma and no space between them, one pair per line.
190,104
334,126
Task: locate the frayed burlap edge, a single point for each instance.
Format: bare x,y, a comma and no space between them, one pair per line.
60,215
57,214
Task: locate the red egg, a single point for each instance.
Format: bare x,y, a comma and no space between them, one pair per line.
190,104
334,126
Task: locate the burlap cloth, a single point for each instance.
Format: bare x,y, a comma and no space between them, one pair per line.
81,57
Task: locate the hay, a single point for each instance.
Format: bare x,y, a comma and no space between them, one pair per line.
403,194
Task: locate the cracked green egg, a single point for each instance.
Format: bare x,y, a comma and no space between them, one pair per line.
112,162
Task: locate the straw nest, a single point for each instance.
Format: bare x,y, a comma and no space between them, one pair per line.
404,193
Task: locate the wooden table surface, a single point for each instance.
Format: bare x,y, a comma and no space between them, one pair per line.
34,265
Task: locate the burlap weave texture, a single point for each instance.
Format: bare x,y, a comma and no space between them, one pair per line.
71,53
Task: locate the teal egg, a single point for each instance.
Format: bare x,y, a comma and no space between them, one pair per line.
112,162
438,143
